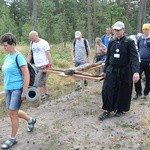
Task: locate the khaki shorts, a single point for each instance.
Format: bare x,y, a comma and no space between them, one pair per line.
41,76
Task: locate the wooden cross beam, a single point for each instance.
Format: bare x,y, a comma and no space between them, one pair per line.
77,72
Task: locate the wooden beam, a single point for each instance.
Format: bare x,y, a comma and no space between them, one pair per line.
99,78
78,72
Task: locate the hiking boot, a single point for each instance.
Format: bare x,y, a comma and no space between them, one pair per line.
45,96
31,123
104,115
85,83
78,88
8,143
137,96
119,113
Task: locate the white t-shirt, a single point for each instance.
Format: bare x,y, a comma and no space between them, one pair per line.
39,55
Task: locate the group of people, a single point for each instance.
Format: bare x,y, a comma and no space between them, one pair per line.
124,66
122,69
81,52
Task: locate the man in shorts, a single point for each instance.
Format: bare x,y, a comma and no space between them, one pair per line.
42,60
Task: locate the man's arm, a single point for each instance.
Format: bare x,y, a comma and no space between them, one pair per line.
29,56
49,57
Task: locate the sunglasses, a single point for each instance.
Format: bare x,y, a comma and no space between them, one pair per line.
117,30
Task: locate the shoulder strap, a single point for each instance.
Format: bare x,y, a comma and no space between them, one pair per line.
85,43
17,61
74,43
32,59
86,46
31,43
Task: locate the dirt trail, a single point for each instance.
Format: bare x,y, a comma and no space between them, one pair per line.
70,123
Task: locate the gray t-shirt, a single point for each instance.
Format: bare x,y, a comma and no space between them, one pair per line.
80,50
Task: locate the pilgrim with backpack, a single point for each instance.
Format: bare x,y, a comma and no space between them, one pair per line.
81,53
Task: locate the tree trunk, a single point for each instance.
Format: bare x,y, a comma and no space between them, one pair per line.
35,15
141,15
94,22
118,2
89,20
64,28
128,15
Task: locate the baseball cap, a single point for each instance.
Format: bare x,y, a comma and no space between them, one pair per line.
77,34
118,25
146,26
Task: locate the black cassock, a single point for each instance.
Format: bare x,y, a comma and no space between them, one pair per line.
121,63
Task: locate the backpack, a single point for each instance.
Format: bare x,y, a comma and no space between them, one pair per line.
32,59
85,44
32,72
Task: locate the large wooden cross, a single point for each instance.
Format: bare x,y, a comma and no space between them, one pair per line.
79,72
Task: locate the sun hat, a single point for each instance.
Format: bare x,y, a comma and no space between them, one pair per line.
118,25
146,26
78,34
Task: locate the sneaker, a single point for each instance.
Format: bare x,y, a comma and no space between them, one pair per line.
8,143
31,123
85,83
137,96
78,88
119,113
44,96
104,115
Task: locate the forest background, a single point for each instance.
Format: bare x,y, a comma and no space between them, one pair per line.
57,20
68,120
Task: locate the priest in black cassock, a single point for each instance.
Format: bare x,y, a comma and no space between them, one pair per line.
121,70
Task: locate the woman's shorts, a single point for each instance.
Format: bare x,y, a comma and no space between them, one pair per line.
13,99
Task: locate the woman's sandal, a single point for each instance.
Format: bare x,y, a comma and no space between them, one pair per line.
8,143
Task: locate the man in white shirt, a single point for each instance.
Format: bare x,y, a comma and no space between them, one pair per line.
42,59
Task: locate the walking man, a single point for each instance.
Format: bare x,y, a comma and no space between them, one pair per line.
42,59
121,68
81,54
143,45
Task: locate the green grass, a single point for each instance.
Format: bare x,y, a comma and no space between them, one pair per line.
3,110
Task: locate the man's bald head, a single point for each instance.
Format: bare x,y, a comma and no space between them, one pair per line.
33,36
